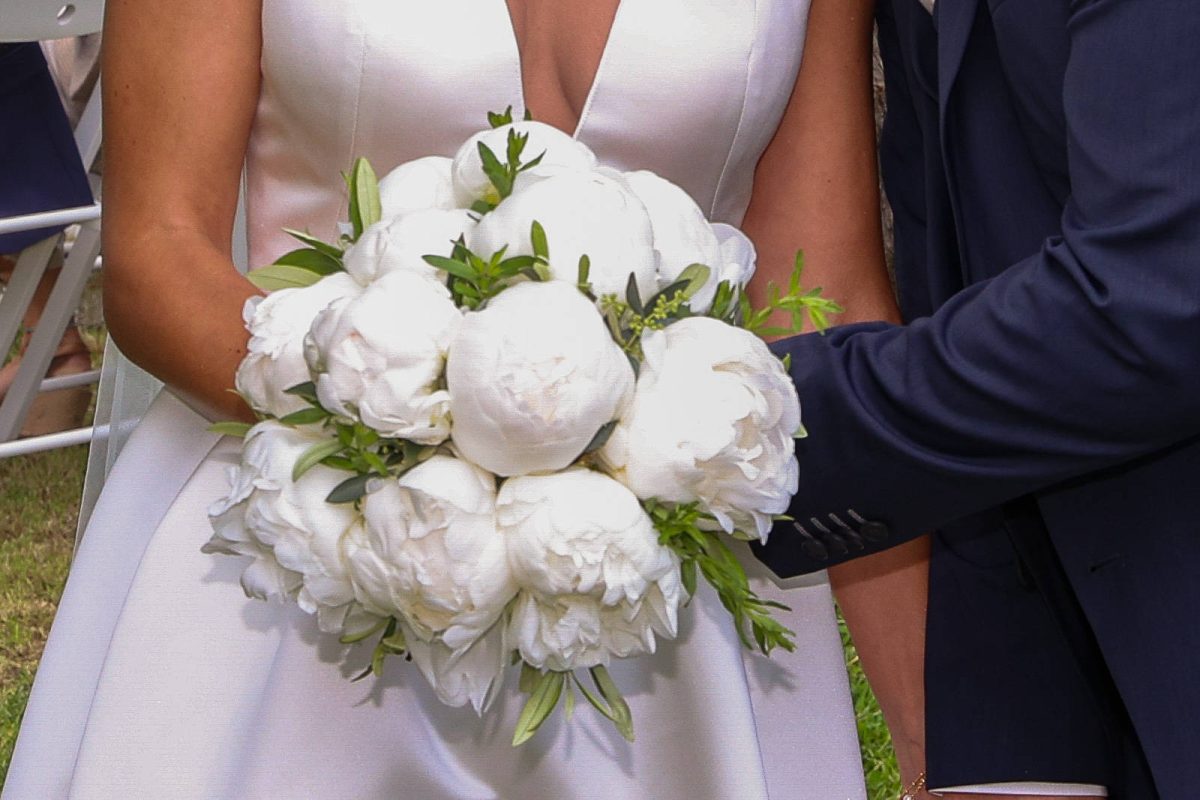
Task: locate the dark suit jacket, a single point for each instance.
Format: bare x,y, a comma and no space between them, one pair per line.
1048,261
40,168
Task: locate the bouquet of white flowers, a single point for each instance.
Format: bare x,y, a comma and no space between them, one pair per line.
511,416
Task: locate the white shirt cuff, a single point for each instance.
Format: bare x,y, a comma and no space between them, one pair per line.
1050,789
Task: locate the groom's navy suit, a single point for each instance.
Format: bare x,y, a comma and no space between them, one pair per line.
1040,410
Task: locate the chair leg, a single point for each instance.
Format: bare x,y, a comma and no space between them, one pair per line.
60,307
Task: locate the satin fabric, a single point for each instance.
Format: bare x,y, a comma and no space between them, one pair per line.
161,680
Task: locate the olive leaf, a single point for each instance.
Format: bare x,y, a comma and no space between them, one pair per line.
282,276
541,703
238,429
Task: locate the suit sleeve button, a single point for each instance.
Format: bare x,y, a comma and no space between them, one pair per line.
874,531
815,550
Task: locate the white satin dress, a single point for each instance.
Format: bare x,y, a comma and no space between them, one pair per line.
162,681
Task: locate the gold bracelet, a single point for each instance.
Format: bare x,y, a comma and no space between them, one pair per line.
910,793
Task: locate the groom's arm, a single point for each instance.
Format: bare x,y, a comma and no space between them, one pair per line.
1082,356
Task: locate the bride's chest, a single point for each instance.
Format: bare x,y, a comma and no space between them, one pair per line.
676,83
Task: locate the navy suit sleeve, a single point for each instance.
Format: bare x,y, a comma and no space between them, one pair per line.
1083,356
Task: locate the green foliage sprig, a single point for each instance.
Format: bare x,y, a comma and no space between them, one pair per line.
474,279
545,688
733,305
503,174
354,448
307,265
705,552
630,317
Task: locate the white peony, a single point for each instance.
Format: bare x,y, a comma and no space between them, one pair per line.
557,149
402,242
712,419
429,554
583,213
275,358
423,183
532,378
596,584
378,356
293,534
682,235
473,676
738,257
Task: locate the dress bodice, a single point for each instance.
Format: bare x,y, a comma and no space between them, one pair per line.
691,90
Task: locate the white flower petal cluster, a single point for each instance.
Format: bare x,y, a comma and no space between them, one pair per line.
473,675
402,242
562,565
738,257
424,183
583,213
294,536
378,356
275,358
712,419
532,378
595,582
558,151
429,555
682,235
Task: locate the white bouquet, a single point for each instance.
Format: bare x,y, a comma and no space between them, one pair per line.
512,416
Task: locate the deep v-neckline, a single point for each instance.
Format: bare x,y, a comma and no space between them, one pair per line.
596,78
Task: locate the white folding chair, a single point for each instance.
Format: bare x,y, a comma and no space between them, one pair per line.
38,20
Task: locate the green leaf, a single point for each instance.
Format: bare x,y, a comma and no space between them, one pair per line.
516,146
537,709
305,416
601,438
585,272
511,266
311,259
569,704
281,276
350,490
456,268
365,208
500,120
622,716
394,642
529,678
537,236
238,429
594,699
801,433
354,638
632,297
315,455
696,276
331,250
482,207
307,390
496,172
531,164
687,571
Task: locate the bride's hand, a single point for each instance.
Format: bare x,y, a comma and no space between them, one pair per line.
180,88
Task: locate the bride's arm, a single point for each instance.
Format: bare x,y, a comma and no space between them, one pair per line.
181,82
816,189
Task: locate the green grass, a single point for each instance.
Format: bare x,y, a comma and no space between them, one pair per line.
39,496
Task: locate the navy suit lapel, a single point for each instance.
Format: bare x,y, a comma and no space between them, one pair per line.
954,19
